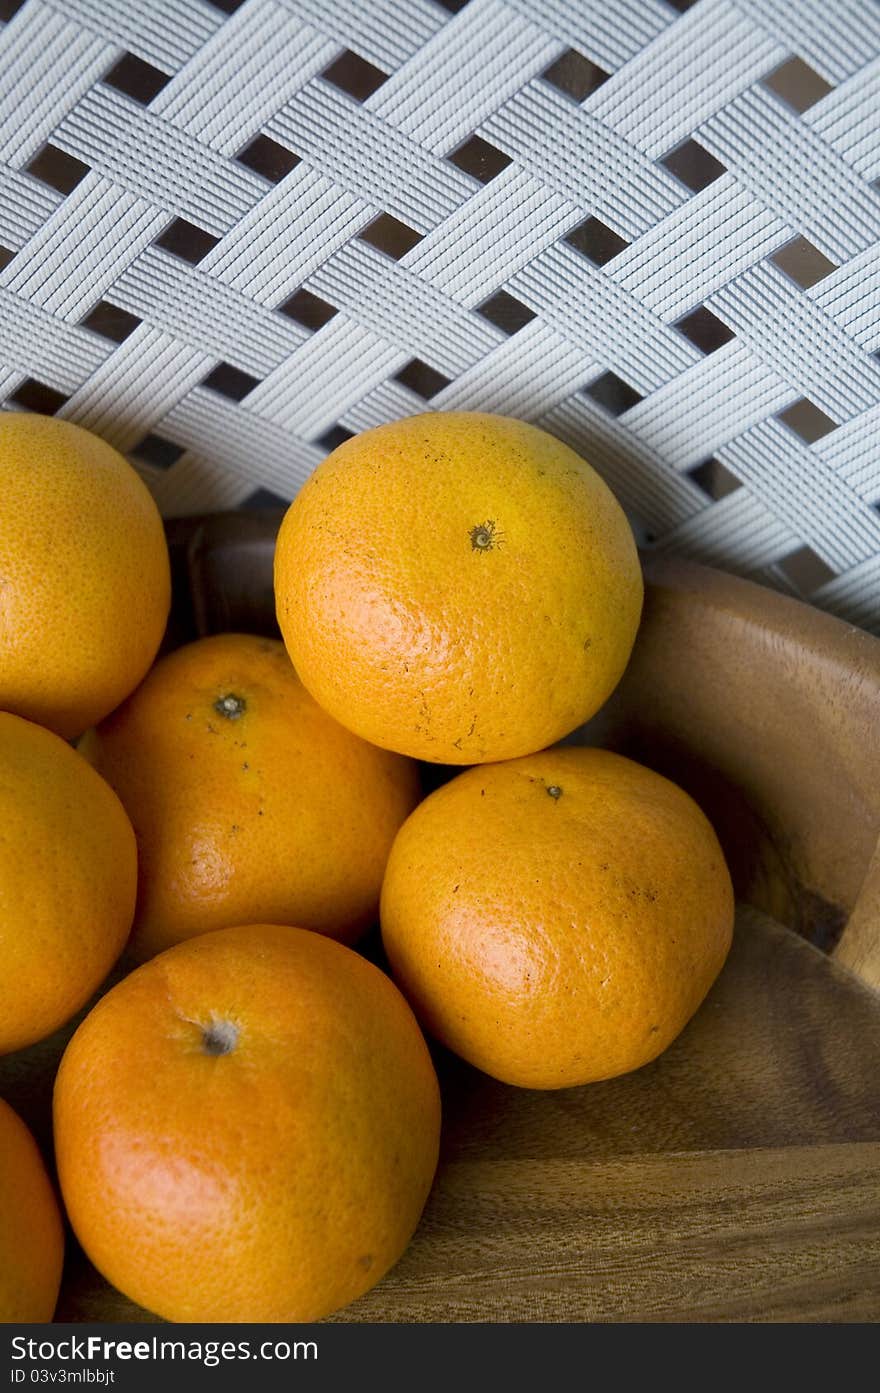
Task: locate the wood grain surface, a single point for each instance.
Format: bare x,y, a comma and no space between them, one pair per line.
735,1178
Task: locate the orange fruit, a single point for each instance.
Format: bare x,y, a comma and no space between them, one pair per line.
457,586
31,1233
68,877
247,1128
84,575
249,802
559,918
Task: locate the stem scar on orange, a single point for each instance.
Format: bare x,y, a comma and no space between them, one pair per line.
247,1128
249,802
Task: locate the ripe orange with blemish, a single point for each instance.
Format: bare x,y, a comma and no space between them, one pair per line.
249,802
264,1142
457,586
557,919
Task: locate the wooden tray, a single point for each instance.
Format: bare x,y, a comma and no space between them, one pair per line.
738,1176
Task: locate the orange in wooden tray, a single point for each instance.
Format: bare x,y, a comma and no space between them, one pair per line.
557,919
67,881
85,582
458,586
247,1128
250,803
31,1235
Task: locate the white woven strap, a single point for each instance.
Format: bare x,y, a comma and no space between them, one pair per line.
576,206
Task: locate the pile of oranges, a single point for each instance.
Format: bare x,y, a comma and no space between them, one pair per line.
246,1125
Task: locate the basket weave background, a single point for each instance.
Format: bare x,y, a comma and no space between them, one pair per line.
229,239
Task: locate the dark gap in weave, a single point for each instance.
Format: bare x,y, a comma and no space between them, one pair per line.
479,159
266,157
336,435
806,570
575,75
156,450
715,479
506,312
802,262
796,84
693,166
354,75
421,378
807,420
135,78
613,394
186,241
389,235
704,330
57,169
308,309
230,382
38,396
596,241
111,322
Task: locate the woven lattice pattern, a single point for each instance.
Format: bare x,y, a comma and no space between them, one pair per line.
232,235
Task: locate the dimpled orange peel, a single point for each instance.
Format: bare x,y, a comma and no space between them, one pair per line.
249,802
247,1128
31,1232
68,876
457,586
85,581
557,919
